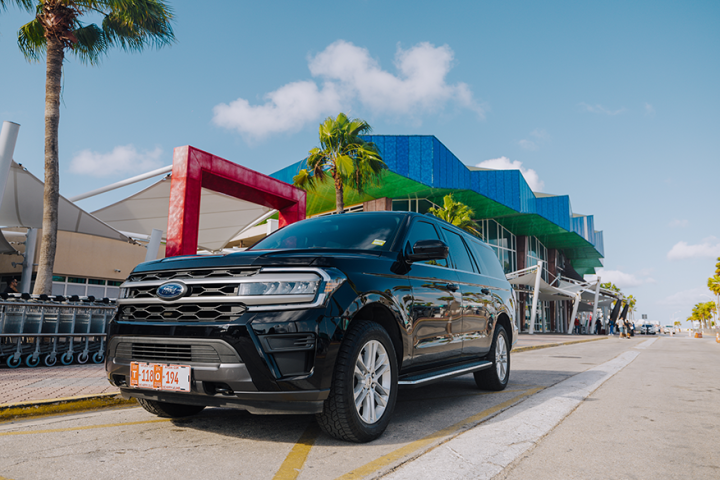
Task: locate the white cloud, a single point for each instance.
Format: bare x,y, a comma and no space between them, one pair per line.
504,163
528,144
622,279
539,135
350,75
677,223
288,109
122,159
600,109
710,248
686,299
649,109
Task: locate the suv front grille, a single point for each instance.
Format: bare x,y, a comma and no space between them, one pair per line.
201,312
166,353
193,274
210,290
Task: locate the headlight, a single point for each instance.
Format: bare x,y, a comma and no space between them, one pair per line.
278,288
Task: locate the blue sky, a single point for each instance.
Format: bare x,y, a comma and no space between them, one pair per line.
614,103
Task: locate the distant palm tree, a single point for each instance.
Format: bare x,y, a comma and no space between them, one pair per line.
57,29
713,284
456,213
345,157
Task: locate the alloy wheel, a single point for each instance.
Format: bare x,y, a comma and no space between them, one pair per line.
501,357
372,382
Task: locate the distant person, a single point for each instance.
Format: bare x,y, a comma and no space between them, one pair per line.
621,327
576,330
598,326
12,287
611,327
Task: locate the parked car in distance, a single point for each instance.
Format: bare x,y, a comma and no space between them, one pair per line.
648,329
329,316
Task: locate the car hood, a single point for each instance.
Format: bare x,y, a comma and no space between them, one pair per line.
259,258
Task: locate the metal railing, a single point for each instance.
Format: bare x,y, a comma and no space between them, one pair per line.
48,329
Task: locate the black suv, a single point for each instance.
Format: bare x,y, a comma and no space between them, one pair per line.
327,316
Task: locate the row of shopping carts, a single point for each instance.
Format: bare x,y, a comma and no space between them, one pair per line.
51,329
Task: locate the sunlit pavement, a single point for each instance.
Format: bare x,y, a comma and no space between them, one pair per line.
129,442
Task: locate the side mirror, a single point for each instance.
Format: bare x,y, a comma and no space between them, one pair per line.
428,250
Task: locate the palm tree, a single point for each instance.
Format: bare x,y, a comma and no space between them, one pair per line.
56,29
631,301
456,213
345,157
713,284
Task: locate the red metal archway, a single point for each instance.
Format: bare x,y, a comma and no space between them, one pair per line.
195,169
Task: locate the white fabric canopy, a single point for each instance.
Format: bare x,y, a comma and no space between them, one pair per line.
22,206
5,247
547,291
222,217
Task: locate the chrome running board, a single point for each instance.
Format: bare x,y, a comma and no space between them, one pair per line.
425,378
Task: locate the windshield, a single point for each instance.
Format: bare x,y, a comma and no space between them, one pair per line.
363,231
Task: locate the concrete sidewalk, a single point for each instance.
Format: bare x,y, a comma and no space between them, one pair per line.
24,387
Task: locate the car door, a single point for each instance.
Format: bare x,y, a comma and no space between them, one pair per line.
476,296
436,304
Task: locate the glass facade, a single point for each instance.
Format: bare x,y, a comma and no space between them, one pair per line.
502,242
537,251
84,287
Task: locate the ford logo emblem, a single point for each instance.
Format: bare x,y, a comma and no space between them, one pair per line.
171,290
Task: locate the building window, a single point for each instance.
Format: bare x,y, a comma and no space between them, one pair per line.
537,251
502,242
85,287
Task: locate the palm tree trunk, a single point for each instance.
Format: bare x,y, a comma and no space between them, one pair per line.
55,55
339,202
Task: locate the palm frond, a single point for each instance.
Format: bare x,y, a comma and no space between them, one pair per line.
31,40
134,24
91,43
27,5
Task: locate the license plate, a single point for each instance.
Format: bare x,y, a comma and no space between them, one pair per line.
174,378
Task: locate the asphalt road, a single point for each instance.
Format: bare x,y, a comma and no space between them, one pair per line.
657,418
223,443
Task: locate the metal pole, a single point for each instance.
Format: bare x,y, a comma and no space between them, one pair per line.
597,293
576,305
8,138
121,183
536,293
153,245
30,246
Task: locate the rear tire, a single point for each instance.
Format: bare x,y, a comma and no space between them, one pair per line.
496,377
364,386
169,410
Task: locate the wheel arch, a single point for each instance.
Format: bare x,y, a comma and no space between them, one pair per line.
504,320
381,313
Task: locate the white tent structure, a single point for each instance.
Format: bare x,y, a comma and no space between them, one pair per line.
586,297
222,218
22,206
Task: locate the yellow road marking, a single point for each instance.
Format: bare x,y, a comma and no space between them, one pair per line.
89,427
291,467
475,394
3,478
401,452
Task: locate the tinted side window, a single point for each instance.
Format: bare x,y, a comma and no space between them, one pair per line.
424,231
458,251
487,261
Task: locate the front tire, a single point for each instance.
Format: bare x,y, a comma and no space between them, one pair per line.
496,377
364,388
169,410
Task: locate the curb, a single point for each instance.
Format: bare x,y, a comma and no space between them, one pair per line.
548,345
37,408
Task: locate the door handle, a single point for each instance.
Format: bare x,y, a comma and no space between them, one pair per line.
452,287
485,291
